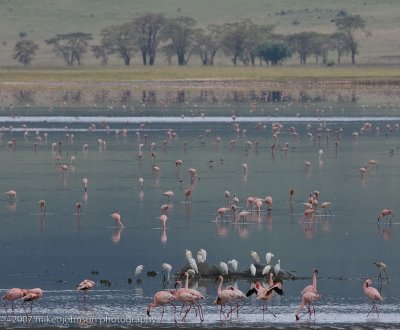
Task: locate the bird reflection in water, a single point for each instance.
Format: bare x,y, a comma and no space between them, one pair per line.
386,231
116,236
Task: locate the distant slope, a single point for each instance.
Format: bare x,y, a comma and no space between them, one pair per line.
42,19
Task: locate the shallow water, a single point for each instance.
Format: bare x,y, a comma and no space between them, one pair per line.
58,249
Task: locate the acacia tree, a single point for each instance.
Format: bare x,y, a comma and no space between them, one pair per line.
207,43
349,25
274,52
240,40
25,51
120,40
339,43
321,46
180,34
147,28
70,46
100,52
303,44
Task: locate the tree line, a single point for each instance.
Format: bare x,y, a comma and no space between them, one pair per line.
243,42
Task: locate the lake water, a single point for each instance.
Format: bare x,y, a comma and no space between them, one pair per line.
57,250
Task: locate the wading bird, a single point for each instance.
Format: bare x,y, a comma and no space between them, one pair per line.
162,298
372,294
85,286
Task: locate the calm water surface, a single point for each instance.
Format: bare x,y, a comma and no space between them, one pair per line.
57,250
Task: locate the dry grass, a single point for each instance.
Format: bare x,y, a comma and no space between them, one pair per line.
134,74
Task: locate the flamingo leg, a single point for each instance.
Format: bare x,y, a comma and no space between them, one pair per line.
162,313
201,312
5,307
174,311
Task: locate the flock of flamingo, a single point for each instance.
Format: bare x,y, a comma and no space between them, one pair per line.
228,296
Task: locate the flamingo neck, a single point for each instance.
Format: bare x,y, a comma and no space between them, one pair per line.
314,283
187,281
220,285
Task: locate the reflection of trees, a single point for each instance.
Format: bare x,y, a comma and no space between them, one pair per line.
149,96
24,96
72,96
101,97
180,97
126,97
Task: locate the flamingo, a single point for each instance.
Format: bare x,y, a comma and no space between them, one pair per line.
188,193
162,298
12,295
385,213
227,296
31,295
372,294
168,194
266,294
197,294
312,287
12,195
308,299
78,207
291,195
117,218
268,201
163,219
326,207
42,205
221,213
85,286
85,183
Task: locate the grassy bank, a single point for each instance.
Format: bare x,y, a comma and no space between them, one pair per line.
380,74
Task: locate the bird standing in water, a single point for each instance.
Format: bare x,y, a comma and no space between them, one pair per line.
372,294
85,286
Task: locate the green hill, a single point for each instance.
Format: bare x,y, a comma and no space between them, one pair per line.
42,19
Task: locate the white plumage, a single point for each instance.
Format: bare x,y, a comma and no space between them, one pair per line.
234,264
138,270
253,270
255,256
224,268
268,257
266,270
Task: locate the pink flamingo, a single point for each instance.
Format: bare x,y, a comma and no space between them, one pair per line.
198,295
163,219
221,213
168,194
117,218
227,296
12,295
162,298
308,299
372,294
268,201
31,295
85,183
85,286
188,194
385,213
266,294
42,205
186,297
312,287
